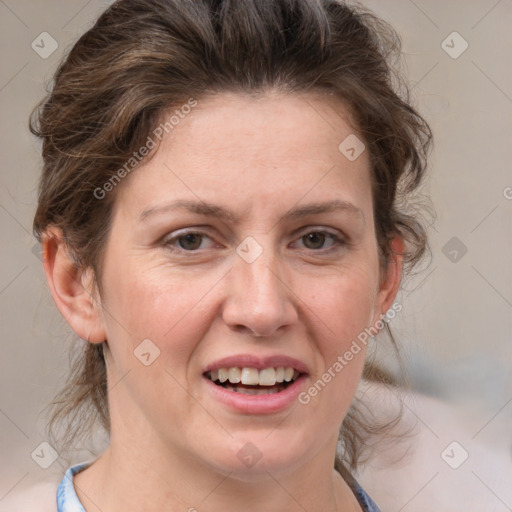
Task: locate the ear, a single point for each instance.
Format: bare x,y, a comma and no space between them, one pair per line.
73,289
390,280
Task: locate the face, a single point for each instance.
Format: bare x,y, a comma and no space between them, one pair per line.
246,242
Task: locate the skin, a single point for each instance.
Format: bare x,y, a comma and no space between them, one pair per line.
172,448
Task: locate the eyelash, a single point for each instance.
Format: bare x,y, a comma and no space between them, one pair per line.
338,242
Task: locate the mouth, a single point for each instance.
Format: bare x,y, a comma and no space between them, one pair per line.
254,381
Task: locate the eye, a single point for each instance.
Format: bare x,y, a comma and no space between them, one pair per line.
190,242
315,240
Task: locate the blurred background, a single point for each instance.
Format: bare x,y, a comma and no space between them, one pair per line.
455,328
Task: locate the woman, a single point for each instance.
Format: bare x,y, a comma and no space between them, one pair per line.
221,224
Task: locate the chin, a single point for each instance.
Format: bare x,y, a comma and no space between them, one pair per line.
252,458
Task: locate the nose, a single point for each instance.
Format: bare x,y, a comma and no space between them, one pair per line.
260,302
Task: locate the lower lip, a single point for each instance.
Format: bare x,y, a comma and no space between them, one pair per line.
257,404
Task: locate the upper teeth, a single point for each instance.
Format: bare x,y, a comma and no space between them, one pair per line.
254,377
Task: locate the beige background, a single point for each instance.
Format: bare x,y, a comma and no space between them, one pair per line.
456,325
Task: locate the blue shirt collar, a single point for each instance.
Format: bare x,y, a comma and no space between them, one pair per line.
67,500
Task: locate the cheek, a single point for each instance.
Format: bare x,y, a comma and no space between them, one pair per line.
343,310
340,311
170,310
343,304
166,306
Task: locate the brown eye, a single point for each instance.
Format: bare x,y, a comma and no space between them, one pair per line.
314,240
190,241
322,242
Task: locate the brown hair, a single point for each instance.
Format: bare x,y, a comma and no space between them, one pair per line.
144,57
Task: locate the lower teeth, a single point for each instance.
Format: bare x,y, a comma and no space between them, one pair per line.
255,391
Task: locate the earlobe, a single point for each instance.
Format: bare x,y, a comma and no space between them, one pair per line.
73,289
390,282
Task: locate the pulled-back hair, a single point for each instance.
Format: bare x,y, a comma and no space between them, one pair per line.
143,58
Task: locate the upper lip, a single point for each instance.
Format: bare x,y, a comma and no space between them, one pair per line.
258,362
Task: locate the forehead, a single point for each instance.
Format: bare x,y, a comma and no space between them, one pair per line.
272,127
254,151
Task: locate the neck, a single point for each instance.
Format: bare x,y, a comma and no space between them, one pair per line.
121,480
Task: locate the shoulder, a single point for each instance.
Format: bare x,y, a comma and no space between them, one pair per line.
41,497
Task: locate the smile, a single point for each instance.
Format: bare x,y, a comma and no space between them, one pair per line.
251,381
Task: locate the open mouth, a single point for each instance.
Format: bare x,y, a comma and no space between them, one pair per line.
251,381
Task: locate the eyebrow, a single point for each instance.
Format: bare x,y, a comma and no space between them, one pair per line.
213,210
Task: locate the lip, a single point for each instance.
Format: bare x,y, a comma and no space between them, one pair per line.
257,404
260,363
